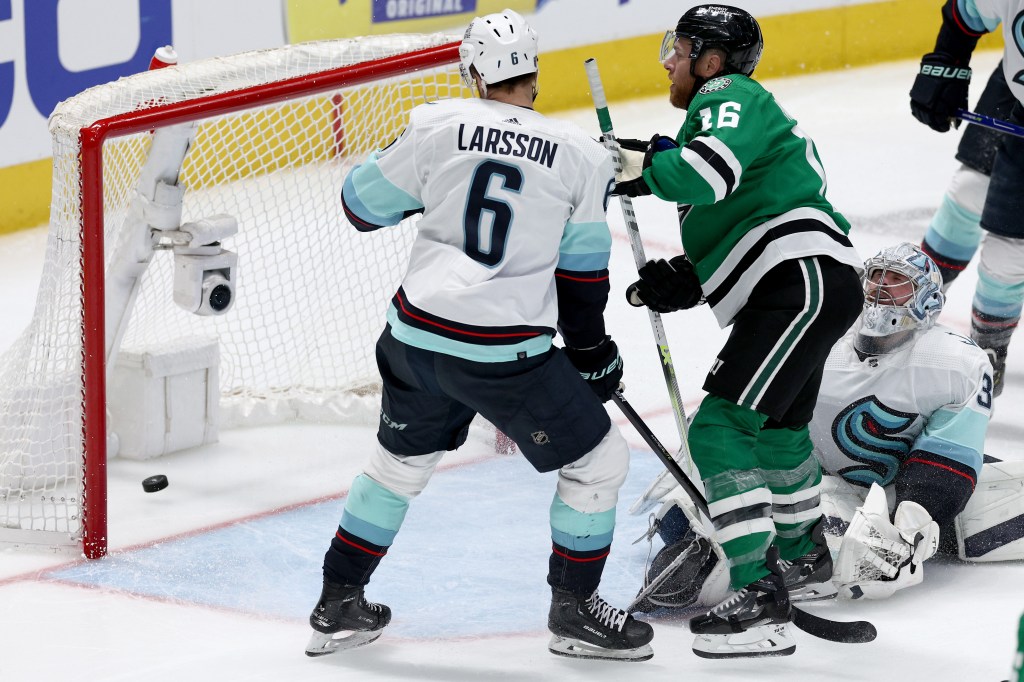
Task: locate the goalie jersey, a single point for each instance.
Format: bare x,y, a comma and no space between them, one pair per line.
513,242
930,400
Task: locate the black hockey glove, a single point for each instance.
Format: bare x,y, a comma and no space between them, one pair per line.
939,90
636,155
600,367
666,286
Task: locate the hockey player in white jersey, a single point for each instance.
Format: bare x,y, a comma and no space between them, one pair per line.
995,202
512,245
904,404
899,426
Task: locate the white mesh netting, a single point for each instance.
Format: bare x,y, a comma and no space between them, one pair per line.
311,291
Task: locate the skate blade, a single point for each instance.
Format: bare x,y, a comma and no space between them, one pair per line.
321,644
813,593
764,640
576,648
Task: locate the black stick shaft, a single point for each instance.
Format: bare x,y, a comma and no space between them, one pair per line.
663,454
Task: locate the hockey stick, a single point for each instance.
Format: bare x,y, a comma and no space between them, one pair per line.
989,122
633,230
846,632
666,459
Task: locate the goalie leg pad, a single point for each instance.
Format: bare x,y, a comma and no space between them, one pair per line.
878,557
991,526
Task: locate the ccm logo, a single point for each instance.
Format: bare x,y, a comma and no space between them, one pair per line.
940,71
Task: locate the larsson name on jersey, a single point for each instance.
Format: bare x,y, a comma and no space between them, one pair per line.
507,143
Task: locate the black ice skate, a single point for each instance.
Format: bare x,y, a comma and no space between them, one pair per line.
752,622
343,619
809,578
591,628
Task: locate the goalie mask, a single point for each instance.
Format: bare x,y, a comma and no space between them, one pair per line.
499,46
730,29
902,295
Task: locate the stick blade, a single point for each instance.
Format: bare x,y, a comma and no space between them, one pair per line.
845,632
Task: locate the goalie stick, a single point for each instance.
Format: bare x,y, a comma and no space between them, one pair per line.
846,632
633,231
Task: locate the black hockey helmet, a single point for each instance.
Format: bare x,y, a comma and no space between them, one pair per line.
724,27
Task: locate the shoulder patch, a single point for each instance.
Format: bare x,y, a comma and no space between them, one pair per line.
716,84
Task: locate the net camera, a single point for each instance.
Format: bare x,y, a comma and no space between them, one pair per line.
204,273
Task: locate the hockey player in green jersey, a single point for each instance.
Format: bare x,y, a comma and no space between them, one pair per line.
765,248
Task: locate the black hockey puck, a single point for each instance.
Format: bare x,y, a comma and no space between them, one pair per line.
154,483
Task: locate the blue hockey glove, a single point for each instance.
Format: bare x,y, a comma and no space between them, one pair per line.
939,90
600,367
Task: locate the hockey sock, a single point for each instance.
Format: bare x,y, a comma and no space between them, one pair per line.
723,438
373,514
575,571
793,475
580,544
954,232
995,314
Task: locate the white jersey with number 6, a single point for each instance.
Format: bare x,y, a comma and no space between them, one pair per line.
508,197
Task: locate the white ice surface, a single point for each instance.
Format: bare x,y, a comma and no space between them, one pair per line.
211,578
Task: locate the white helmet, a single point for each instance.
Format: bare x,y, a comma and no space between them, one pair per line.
500,46
890,309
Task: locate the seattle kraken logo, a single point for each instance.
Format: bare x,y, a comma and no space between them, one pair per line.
869,432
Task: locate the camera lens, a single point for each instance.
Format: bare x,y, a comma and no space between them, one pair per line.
220,297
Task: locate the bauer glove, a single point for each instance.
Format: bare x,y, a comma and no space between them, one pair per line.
666,286
939,90
600,367
635,156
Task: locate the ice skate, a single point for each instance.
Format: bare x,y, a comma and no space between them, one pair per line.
809,578
343,619
752,622
591,628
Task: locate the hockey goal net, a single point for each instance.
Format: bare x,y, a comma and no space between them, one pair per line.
272,134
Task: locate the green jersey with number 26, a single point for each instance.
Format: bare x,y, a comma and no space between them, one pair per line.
751,190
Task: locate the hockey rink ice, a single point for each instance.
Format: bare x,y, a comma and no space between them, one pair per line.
213,578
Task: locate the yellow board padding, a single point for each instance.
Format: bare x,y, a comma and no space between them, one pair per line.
820,40
809,42
329,19
25,195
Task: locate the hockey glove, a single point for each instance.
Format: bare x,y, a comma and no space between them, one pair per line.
939,90
635,156
600,367
666,286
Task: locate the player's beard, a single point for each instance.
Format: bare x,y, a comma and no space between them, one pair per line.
678,96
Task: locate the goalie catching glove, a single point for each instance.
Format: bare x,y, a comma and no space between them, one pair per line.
634,157
877,556
600,367
666,286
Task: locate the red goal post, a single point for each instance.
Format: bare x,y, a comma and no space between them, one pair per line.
266,138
